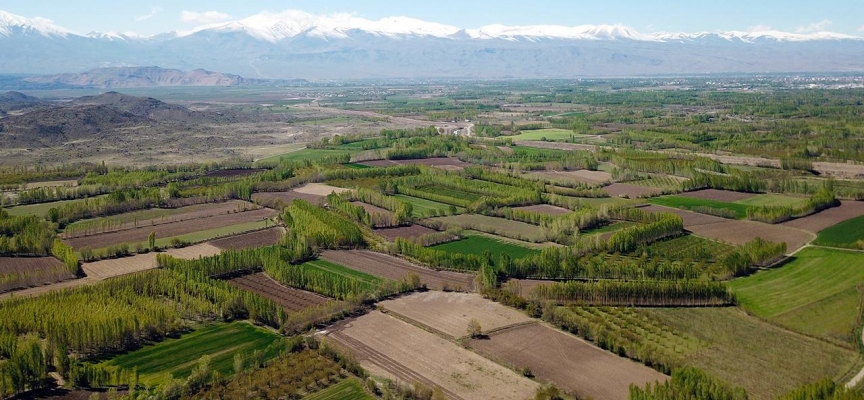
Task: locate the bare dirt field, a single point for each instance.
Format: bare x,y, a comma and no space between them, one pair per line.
267,237
284,199
450,312
231,173
401,351
406,232
192,212
717,195
372,209
390,267
319,189
140,234
738,232
570,363
582,175
544,209
289,298
504,227
22,272
120,266
828,218
525,285
632,191
448,163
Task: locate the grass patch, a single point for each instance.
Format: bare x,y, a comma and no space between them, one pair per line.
347,389
496,226
477,245
615,226
337,269
740,349
452,193
176,357
773,200
39,209
422,208
846,234
355,166
815,293
689,203
548,134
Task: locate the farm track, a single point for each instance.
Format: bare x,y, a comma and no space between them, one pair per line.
399,370
289,298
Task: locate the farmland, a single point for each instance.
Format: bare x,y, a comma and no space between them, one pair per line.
175,358
689,203
500,226
290,298
423,208
629,191
347,389
389,347
478,245
389,267
22,272
816,293
267,237
546,134
412,231
573,365
337,269
828,218
544,209
584,176
848,234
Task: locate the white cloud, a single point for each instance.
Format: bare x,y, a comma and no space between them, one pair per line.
760,28
151,14
820,26
207,17
861,29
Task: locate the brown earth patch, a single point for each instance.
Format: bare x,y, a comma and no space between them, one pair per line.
570,363
232,173
390,267
582,175
319,189
718,195
22,272
140,234
284,199
828,218
289,298
398,350
632,191
266,237
544,209
406,232
372,209
450,312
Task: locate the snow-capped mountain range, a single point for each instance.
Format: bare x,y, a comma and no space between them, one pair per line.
298,44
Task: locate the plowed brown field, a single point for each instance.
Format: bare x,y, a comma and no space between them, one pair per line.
828,218
289,298
632,191
570,363
544,209
390,267
22,272
412,231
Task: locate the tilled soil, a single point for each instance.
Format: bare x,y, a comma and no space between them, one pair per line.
828,218
406,232
390,267
290,298
267,237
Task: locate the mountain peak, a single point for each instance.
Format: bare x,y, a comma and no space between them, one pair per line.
11,23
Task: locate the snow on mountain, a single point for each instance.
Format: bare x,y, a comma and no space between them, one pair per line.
536,32
10,23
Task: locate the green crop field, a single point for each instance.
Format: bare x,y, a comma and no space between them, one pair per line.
771,199
39,209
356,166
337,269
615,226
347,389
849,234
306,154
422,208
549,134
176,357
493,225
477,245
740,349
444,191
688,203
814,294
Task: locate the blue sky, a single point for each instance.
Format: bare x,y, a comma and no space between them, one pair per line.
154,16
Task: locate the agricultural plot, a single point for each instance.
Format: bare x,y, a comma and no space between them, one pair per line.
284,199
22,272
737,232
847,234
771,199
232,173
726,196
398,350
176,357
290,298
544,209
422,208
630,191
347,389
372,209
550,134
479,244
583,176
493,225
141,262
390,267
405,232
569,362
306,154
689,247
828,218
450,313
214,226
446,163
266,237
48,184
740,349
816,293
336,269
319,189
693,204
453,194
39,209
667,183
